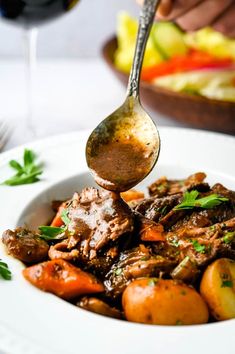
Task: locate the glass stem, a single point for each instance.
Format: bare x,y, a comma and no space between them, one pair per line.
30,48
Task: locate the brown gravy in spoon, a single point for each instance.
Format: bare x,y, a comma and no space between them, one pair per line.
120,165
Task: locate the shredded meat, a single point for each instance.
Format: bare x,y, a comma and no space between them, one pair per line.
62,251
136,263
98,217
163,187
203,244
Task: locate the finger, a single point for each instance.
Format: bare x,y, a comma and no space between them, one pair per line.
178,8
164,8
225,23
204,14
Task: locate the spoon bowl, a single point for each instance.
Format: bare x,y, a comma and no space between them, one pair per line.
124,147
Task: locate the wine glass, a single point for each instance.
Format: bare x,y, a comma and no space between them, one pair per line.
30,14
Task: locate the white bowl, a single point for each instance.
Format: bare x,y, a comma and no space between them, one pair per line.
32,321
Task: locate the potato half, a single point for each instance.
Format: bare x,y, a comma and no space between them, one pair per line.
218,288
163,302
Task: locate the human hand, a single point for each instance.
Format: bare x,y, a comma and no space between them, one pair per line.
192,15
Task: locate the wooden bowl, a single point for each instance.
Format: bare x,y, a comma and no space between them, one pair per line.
193,110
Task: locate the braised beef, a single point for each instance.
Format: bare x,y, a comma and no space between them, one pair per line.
163,187
203,244
136,263
96,218
108,238
25,245
156,208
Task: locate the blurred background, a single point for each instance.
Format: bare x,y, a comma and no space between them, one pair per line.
78,34
73,88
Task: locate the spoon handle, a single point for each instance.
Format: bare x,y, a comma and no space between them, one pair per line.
145,23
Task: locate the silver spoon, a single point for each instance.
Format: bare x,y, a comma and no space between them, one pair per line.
123,149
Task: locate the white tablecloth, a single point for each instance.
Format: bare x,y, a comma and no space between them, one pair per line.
68,95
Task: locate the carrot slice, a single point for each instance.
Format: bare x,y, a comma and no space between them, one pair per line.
57,221
131,194
151,231
62,279
193,60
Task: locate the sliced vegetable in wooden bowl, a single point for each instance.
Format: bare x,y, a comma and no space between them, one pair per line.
188,77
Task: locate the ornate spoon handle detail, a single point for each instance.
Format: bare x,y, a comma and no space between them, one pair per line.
145,23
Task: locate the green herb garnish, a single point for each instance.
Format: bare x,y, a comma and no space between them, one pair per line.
118,271
164,210
26,173
174,241
190,201
144,258
178,323
229,237
64,217
227,284
5,272
198,246
49,233
152,282
161,187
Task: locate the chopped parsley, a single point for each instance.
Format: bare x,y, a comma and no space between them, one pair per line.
164,210
229,237
191,200
227,284
144,258
161,187
5,272
198,246
152,282
118,271
178,323
174,241
26,173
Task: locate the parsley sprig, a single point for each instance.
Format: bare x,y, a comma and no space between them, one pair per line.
5,272
49,233
26,173
191,200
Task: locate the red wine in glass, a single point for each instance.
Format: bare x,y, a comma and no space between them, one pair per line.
29,14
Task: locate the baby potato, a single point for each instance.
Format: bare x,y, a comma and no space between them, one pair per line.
218,288
163,302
